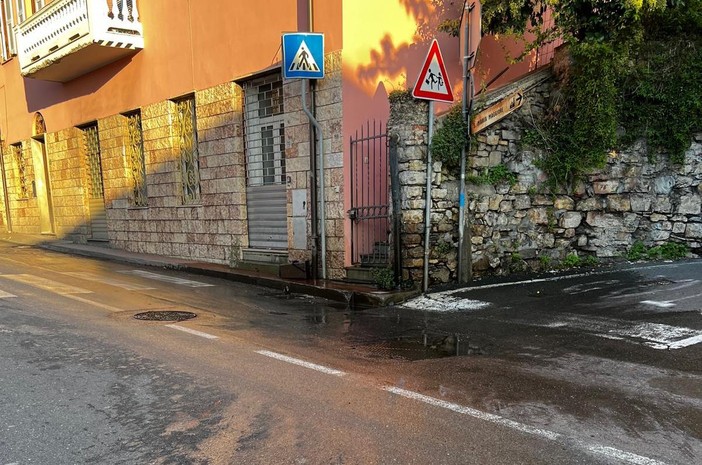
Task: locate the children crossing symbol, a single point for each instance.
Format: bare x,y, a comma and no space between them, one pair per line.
433,82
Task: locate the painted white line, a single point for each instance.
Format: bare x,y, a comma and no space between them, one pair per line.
621,455
167,279
105,280
655,335
661,304
46,284
109,308
571,276
685,284
193,331
690,341
609,452
302,363
6,295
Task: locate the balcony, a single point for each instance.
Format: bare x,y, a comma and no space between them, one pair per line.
70,38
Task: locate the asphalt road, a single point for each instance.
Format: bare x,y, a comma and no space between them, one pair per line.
564,371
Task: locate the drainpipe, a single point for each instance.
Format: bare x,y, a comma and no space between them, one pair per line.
319,152
6,200
427,213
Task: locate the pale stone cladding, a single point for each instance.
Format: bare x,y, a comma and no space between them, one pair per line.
24,210
67,178
212,230
215,229
329,113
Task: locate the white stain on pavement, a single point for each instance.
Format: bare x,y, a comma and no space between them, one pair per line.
445,301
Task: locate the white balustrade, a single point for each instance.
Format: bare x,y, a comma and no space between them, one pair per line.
65,26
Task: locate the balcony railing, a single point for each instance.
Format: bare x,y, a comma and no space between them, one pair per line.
69,38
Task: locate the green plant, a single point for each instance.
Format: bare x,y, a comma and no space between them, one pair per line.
637,251
667,251
384,278
443,247
493,176
450,138
399,96
571,260
517,263
590,260
545,262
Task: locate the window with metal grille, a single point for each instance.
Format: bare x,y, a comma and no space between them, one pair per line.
91,141
21,164
186,141
265,131
135,159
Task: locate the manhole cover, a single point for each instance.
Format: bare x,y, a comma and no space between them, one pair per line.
165,315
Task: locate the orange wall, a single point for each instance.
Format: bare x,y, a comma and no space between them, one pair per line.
189,45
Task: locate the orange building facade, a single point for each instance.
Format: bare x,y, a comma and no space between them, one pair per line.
165,126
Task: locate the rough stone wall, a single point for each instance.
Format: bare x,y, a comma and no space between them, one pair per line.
329,114
66,169
513,226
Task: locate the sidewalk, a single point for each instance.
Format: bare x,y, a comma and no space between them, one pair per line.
360,295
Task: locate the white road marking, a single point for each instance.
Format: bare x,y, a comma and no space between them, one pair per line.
193,331
105,280
661,304
46,284
685,284
609,452
6,295
167,279
655,335
302,363
109,308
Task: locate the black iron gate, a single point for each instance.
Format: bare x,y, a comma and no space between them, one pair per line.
370,197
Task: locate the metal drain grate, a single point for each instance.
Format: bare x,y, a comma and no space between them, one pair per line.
165,315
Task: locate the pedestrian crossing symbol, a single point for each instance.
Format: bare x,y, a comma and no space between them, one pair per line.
303,56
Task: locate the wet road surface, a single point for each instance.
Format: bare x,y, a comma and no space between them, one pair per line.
600,368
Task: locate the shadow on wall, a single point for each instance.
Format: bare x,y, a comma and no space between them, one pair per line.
42,94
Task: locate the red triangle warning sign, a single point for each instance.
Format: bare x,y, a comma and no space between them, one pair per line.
433,82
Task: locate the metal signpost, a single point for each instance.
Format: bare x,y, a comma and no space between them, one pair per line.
303,58
471,35
432,84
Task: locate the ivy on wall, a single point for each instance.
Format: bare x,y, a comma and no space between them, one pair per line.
634,71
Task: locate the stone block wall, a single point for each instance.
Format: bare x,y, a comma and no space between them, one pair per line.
24,210
214,230
69,194
329,114
631,199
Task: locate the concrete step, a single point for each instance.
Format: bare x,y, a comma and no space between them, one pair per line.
264,256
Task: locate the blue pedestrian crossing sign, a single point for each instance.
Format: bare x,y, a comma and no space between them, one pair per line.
303,55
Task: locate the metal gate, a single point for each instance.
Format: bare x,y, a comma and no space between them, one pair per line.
96,192
370,196
266,194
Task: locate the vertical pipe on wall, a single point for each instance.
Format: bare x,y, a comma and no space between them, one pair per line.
6,200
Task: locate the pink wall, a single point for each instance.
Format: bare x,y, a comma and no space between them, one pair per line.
189,45
395,47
